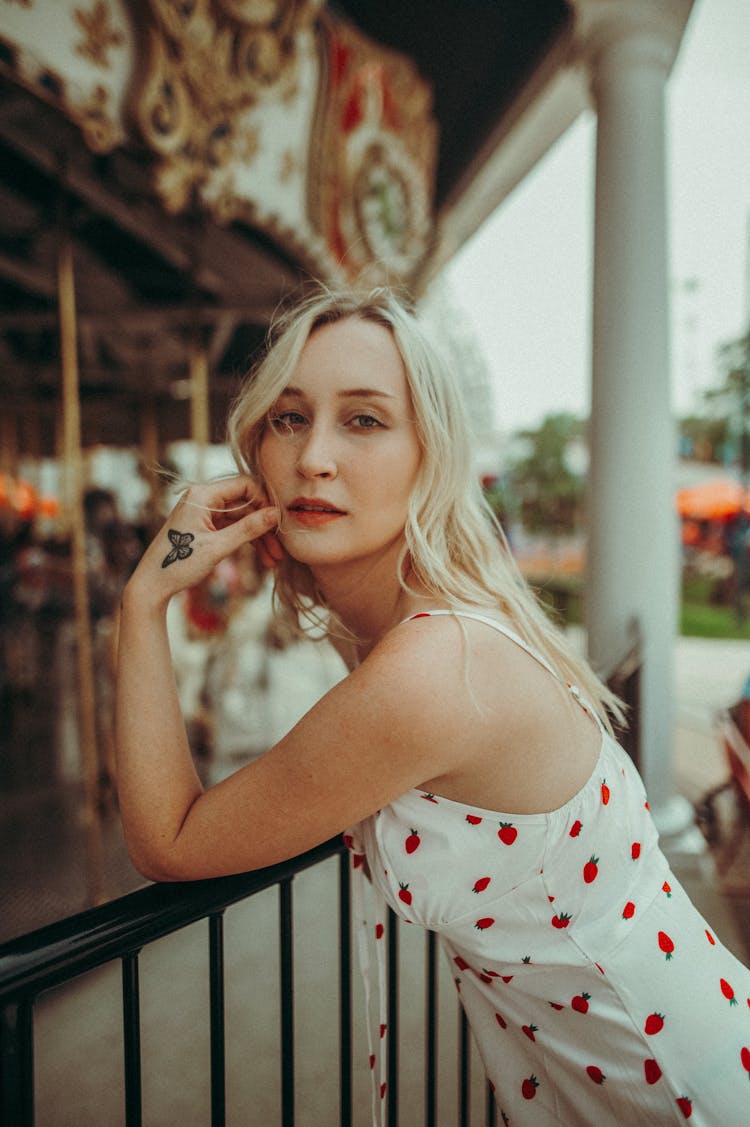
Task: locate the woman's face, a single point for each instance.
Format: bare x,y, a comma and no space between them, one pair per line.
340,453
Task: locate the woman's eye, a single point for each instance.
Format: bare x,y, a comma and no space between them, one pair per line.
366,422
286,422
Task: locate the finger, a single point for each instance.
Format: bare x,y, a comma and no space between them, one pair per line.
274,546
264,555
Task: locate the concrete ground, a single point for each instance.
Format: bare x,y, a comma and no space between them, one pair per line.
78,1036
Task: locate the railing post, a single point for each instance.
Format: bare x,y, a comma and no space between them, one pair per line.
430,1097
392,1018
345,992
17,1064
131,1021
287,1003
463,1068
216,986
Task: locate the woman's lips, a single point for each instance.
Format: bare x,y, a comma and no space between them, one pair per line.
313,513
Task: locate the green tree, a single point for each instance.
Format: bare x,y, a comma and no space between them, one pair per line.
548,490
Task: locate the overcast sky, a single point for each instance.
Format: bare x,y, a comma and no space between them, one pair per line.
525,277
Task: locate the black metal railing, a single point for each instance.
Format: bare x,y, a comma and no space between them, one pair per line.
119,930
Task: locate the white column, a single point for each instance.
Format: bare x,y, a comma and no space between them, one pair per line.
633,531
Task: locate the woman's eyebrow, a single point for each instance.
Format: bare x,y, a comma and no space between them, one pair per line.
348,393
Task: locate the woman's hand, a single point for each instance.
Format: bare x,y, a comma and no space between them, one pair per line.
208,523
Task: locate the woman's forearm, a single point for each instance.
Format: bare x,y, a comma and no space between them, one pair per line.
157,782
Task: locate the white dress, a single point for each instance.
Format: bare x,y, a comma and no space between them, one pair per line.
595,990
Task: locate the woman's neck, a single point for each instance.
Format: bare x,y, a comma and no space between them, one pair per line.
369,600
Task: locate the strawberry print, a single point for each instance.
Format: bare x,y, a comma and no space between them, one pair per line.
591,870
473,819
404,895
628,911
412,842
556,1005
383,1087
605,793
481,884
665,944
685,1105
581,1003
745,1058
595,1074
507,833
461,962
561,920
530,1030
529,1087
484,923
728,992
429,798
635,850
379,929
667,889
348,841
654,1024
576,828
710,938
501,1021
651,1071
383,1029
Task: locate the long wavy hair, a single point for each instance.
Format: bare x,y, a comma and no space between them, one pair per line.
453,545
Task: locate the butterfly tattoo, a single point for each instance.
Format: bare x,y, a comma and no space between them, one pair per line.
181,547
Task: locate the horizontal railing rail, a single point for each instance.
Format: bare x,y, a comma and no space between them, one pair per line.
119,930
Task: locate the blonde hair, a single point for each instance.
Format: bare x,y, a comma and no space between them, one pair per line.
453,544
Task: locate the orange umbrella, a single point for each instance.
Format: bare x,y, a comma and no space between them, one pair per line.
718,499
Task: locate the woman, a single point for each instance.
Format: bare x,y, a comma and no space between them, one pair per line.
595,990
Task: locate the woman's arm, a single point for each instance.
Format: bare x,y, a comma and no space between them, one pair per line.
157,783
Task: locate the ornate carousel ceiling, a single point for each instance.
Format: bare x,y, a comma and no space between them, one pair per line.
205,157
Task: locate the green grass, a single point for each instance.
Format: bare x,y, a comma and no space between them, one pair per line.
701,614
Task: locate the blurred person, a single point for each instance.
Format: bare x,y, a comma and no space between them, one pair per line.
468,756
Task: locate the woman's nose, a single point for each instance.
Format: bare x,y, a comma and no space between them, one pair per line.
316,457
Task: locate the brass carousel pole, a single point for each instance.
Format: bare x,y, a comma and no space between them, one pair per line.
200,423
73,460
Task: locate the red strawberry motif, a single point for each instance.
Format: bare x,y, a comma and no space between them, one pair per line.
628,911
484,923
605,793
727,991
654,1024
665,944
581,1003
473,819
507,833
576,828
561,920
481,884
596,1074
530,1030
651,1071
383,1087
461,962
591,869
745,1058
507,977
529,1087
685,1106
429,798
372,1060
412,842
404,894
489,973
667,887
557,1006
383,1028
485,977
635,850
710,938
348,841
501,1021
526,959
379,929
357,859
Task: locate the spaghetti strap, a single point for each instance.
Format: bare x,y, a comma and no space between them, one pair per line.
519,641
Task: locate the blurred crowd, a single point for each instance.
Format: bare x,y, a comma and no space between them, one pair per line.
243,673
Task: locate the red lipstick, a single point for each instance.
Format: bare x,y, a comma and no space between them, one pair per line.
312,512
